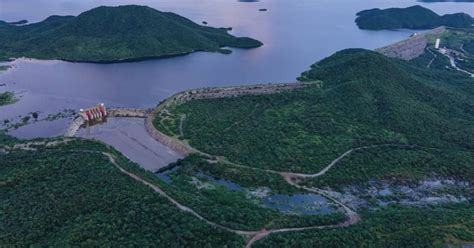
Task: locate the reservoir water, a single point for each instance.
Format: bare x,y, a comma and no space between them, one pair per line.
295,35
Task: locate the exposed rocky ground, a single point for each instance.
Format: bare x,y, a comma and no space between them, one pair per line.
410,48
428,192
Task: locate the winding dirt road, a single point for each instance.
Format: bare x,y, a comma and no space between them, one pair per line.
452,61
352,216
172,200
251,236
433,59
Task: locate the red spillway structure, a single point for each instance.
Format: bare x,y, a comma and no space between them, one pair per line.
96,113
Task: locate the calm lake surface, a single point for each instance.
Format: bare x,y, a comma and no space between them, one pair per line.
295,33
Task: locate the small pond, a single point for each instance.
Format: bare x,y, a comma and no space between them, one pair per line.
297,204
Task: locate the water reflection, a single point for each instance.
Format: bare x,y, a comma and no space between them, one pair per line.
297,204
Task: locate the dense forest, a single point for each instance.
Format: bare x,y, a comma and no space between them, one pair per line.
400,165
395,226
71,195
415,17
112,34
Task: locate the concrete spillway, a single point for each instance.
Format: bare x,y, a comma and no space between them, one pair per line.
74,126
83,118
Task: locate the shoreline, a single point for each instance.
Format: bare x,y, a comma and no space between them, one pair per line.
222,50
182,97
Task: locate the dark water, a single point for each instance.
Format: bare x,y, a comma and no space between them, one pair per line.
298,204
295,33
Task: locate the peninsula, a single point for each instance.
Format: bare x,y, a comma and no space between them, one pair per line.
115,34
415,17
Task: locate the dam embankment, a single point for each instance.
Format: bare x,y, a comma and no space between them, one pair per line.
206,93
173,143
112,112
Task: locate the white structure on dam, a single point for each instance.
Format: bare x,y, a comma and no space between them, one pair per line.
437,43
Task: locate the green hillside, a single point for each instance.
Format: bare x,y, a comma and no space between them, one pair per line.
448,226
415,17
412,123
366,99
112,34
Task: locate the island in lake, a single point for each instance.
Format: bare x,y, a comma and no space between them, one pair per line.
415,17
114,34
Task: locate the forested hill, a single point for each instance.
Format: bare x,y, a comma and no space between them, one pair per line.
424,106
112,34
365,99
415,17
399,123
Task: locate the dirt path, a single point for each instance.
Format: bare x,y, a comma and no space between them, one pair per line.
292,179
353,217
181,121
452,61
172,200
252,236
335,161
305,175
433,59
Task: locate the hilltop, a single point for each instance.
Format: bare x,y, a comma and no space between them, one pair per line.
113,34
414,17
365,98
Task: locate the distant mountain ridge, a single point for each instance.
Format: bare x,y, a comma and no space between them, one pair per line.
114,34
414,17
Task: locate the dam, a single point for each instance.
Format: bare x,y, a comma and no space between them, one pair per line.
96,113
